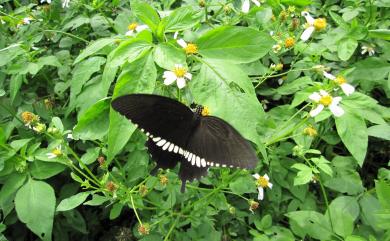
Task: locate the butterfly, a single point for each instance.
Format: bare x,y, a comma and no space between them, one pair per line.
178,134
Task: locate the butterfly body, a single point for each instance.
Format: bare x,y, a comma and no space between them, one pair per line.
176,134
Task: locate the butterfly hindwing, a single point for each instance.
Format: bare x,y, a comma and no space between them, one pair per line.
164,159
158,116
219,144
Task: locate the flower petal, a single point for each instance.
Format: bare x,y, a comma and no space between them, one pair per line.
266,177
308,17
336,100
188,75
328,75
323,93
175,35
257,3
178,66
307,33
270,185
181,82
316,111
261,193
347,88
182,43
315,96
169,74
140,28
336,110
169,79
129,33
245,6
257,176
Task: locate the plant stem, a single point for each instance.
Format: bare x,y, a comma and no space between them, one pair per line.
171,229
135,210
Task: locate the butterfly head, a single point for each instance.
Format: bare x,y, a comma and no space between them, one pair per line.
201,110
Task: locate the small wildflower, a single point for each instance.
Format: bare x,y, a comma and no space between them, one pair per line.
29,118
111,186
134,28
277,67
295,23
232,210
101,160
57,152
253,205
205,111
323,99
70,136
262,182
299,151
27,20
48,103
283,15
163,180
314,179
52,130
246,5
276,48
48,1
65,3
21,166
190,48
310,131
289,42
178,74
144,229
175,35
291,9
342,82
202,3
264,103
311,25
368,49
39,127
227,8
143,190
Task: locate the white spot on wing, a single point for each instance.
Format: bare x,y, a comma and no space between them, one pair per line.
193,159
211,163
217,164
156,139
203,162
166,146
176,149
189,156
147,134
171,147
197,161
161,142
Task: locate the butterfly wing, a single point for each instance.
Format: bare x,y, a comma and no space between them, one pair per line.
216,143
161,118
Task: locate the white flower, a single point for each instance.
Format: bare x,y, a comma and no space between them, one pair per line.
342,82
65,3
246,5
54,153
262,182
175,35
323,99
48,1
368,49
190,48
27,20
178,74
134,28
311,25
276,48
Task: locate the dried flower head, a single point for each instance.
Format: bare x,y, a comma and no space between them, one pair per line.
143,190
144,229
253,205
163,180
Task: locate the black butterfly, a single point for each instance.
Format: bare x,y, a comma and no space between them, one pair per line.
177,134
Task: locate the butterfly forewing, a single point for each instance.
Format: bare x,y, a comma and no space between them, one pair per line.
219,144
158,116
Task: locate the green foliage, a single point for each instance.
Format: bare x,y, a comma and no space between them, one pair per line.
71,168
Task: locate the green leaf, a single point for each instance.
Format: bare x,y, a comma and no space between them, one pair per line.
93,123
181,19
9,53
235,44
350,128
383,193
344,211
346,48
323,165
300,3
166,56
264,224
43,170
35,204
91,155
97,200
354,238
116,210
15,84
129,51
244,184
370,69
93,47
369,206
72,202
380,131
218,86
379,33
8,190
304,174
311,223
146,14
58,123
138,77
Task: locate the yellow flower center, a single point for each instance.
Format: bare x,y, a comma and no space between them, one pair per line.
57,152
132,26
310,131
340,80
289,42
179,71
28,117
205,111
262,182
319,24
326,100
191,49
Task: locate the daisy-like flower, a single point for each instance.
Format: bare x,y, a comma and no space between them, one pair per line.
65,3
289,42
311,25
134,28
39,127
190,48
178,74
368,49
246,5
276,48
323,99
29,119
55,153
262,182
342,82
